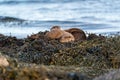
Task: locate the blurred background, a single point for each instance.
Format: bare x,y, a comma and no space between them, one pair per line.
23,17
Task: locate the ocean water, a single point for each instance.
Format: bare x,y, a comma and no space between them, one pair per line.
24,17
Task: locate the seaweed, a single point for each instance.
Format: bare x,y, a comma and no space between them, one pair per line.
99,53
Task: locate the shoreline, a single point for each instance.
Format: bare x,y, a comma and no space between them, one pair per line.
24,35
97,52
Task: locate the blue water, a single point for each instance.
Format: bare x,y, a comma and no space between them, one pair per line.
94,16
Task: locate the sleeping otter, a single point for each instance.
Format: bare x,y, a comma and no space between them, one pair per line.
77,33
57,33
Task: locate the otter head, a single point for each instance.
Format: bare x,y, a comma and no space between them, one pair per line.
55,28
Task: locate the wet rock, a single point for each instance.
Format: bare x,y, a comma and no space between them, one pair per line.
34,57
113,75
77,76
7,41
93,49
94,36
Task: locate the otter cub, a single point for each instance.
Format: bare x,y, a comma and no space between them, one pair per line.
56,33
77,33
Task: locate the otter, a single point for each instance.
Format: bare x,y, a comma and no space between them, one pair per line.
57,33
77,33
67,37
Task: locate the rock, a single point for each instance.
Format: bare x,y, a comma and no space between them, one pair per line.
94,36
77,76
113,75
3,61
34,36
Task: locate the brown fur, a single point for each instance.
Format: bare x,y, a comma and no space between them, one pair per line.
77,33
67,37
57,33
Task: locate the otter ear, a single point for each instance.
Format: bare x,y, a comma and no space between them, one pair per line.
55,27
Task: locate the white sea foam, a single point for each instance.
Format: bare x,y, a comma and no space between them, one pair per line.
106,12
20,32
